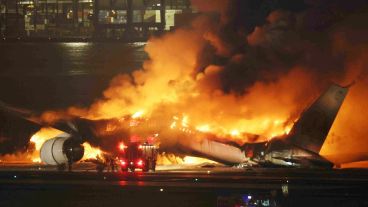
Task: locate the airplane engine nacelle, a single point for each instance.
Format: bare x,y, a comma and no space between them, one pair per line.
61,150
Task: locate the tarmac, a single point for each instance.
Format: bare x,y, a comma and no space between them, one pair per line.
181,185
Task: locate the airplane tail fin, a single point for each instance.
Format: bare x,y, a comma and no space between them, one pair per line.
311,130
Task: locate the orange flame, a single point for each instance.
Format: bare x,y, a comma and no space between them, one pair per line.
189,160
172,89
168,159
41,137
44,134
91,152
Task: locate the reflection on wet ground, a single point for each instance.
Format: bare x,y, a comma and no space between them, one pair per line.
42,76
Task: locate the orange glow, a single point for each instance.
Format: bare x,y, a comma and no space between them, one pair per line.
41,137
91,152
203,128
192,104
122,146
167,94
180,98
168,159
137,114
18,157
33,152
196,160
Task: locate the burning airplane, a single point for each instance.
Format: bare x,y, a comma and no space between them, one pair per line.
299,148
228,90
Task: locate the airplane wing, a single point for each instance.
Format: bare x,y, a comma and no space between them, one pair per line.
15,129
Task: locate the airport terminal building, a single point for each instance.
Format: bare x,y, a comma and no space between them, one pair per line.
107,19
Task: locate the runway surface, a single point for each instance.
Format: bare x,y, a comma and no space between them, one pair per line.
37,185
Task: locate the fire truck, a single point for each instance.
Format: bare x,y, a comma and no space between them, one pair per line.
137,155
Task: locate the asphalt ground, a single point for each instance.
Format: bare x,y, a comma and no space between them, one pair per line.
37,185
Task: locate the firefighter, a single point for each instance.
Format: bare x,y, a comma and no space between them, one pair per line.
112,164
108,163
100,164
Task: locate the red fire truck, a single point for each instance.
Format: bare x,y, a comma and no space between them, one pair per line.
137,156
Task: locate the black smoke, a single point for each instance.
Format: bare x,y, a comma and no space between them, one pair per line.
266,39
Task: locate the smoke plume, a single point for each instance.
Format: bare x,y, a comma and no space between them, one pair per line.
246,66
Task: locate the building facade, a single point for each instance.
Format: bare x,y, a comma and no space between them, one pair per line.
111,19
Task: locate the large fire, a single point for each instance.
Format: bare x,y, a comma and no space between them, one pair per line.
39,138
45,134
265,78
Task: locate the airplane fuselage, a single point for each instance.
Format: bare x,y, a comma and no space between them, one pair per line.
279,152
